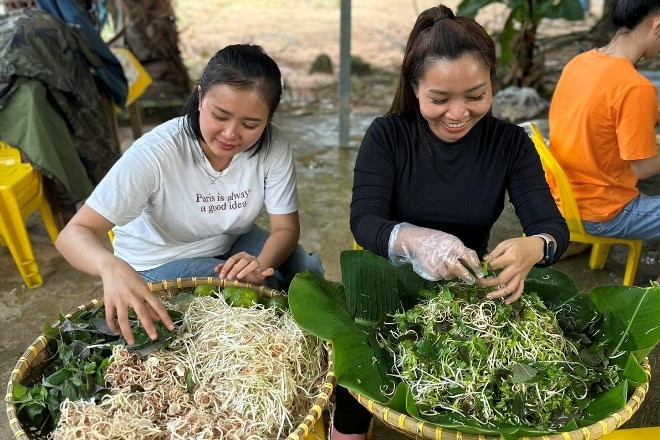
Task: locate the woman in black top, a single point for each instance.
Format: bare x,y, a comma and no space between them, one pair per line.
431,176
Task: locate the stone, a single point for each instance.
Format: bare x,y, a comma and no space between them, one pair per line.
515,104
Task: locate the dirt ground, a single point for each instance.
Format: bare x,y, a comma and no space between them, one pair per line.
294,32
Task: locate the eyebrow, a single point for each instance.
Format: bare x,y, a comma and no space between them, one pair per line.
247,118
471,89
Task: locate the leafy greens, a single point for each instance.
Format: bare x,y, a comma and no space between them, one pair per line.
615,319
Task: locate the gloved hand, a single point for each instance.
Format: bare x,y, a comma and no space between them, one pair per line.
434,255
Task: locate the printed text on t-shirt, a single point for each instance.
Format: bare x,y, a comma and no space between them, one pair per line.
220,202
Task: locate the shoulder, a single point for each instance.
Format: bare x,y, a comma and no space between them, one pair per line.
167,137
642,83
169,131
391,130
278,144
278,150
503,142
278,139
392,123
498,130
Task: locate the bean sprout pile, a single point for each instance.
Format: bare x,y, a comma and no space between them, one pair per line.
463,354
231,373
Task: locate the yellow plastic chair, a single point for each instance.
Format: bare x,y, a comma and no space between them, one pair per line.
21,194
601,245
9,155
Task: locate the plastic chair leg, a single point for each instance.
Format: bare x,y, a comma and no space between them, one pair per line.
599,253
14,232
634,254
49,220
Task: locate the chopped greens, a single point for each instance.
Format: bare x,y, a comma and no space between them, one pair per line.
81,347
492,362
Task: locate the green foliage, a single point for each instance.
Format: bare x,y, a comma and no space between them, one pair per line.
521,10
328,300
523,14
491,362
612,324
82,345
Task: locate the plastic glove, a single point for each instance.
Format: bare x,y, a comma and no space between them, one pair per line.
434,255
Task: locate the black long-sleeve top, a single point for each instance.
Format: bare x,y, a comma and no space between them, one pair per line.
456,187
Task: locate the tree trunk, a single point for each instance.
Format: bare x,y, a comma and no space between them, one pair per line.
527,61
604,29
151,34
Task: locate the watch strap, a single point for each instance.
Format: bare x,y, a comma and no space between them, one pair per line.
548,248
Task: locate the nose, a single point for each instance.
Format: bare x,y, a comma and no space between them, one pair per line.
230,131
457,111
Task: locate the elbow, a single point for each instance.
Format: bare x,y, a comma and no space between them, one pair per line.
61,239
646,168
645,174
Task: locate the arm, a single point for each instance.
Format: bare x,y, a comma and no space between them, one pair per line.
635,131
373,182
433,254
538,214
645,168
283,239
79,243
515,257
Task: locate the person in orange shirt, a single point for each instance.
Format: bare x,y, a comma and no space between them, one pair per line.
602,127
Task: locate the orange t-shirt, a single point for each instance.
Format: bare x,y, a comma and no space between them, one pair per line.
602,115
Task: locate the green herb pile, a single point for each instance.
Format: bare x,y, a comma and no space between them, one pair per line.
491,362
82,347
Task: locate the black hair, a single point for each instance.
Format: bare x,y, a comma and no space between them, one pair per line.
629,13
244,67
438,34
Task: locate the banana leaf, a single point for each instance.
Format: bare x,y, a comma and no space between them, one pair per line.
620,319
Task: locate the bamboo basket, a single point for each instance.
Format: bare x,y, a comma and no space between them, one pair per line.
32,363
414,428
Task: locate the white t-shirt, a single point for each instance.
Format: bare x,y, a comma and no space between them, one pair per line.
169,203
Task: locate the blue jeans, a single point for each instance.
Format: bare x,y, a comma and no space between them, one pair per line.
251,242
639,220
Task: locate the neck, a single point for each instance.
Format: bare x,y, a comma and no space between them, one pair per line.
624,45
217,163
220,164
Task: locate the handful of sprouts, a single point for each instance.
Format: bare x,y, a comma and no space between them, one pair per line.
490,362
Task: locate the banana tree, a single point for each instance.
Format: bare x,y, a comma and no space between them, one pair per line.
519,54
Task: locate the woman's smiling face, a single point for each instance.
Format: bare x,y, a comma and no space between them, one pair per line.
454,95
231,121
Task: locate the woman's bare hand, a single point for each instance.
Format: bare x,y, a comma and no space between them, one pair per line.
244,267
124,288
515,257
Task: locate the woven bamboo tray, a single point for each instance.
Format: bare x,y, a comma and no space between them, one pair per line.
31,364
414,428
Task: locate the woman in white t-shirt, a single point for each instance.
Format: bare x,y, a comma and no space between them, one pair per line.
183,200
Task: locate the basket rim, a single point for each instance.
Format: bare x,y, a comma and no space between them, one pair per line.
426,430
39,345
